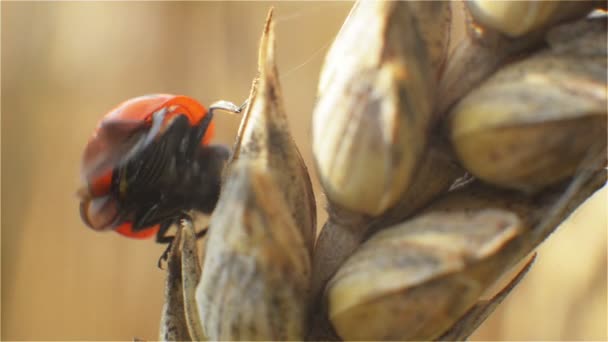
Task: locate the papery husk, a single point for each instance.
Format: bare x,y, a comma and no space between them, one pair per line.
517,18
416,280
533,122
264,137
257,267
180,320
373,114
345,231
480,53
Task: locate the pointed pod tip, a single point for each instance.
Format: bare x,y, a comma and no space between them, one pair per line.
269,19
266,53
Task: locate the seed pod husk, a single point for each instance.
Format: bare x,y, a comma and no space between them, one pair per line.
482,52
417,279
264,138
345,231
477,55
533,122
373,114
180,320
257,268
406,283
517,18
191,275
256,279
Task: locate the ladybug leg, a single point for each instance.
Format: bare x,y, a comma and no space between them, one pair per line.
162,237
227,106
163,257
202,127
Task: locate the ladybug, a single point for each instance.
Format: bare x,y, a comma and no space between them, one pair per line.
149,162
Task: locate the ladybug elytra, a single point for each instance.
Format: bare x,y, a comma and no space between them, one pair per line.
148,162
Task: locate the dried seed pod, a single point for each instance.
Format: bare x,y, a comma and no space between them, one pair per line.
483,50
256,279
348,225
345,231
517,18
180,320
257,267
191,275
406,283
478,54
533,122
417,279
373,114
264,138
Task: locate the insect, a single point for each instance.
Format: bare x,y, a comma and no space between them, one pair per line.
149,162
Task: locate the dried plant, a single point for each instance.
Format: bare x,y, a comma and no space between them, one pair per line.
411,242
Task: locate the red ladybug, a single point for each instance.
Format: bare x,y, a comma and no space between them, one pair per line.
148,162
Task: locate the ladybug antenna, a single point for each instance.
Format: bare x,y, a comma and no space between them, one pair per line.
227,106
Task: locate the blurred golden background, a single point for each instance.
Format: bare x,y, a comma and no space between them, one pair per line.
64,64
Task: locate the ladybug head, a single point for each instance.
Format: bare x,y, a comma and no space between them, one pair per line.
99,213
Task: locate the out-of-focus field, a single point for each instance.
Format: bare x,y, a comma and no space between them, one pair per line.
64,64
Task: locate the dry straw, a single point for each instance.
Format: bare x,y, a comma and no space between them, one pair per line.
409,247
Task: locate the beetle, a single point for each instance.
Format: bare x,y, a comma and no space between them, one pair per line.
149,162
